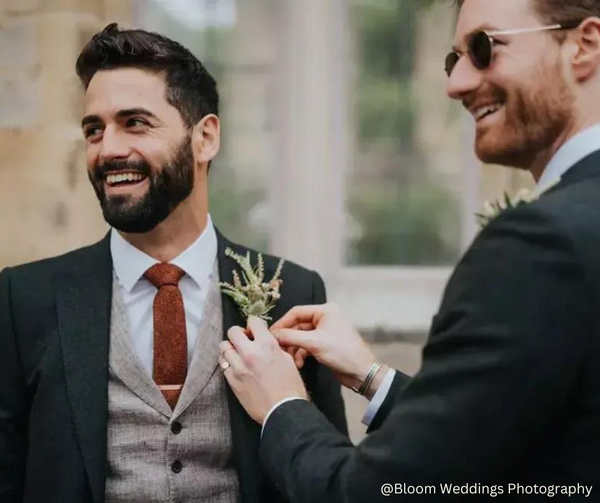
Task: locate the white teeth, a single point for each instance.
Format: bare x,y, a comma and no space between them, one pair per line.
483,111
126,177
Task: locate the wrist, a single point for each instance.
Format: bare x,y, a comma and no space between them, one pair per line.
368,383
377,382
355,379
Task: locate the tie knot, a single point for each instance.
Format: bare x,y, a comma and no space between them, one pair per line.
164,274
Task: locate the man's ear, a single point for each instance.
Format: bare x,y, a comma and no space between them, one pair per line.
206,139
585,56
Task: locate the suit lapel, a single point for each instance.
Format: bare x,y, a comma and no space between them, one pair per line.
206,352
83,311
244,430
124,361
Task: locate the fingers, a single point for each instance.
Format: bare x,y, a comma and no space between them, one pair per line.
304,325
224,364
299,355
225,345
247,341
307,340
229,355
239,339
259,329
301,314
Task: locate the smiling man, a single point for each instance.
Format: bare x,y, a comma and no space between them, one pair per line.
109,381
514,84
507,401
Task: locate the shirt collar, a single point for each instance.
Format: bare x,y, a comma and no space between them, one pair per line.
197,260
573,151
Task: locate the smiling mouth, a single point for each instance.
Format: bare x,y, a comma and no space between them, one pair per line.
485,111
124,179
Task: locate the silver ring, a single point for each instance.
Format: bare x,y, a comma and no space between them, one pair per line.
225,366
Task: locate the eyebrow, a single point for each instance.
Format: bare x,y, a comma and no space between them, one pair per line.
483,27
121,114
90,119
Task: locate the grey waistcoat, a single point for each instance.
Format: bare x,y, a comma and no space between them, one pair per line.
148,461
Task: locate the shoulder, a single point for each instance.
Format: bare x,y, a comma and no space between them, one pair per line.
527,262
561,220
520,296
41,274
519,252
290,271
574,210
561,226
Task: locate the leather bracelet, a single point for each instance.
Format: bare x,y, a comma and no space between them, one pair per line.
366,384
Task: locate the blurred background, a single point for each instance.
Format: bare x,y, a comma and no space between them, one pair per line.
340,148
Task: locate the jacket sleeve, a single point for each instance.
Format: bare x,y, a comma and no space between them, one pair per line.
400,382
498,374
325,391
13,403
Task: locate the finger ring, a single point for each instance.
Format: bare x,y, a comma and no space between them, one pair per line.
227,349
225,366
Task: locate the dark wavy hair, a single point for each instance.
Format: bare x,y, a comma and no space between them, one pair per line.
190,87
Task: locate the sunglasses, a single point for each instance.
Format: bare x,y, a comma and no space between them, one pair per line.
481,44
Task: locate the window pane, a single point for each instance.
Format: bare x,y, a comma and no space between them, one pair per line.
404,190
235,42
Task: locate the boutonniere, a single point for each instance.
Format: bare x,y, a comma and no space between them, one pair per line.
491,210
254,296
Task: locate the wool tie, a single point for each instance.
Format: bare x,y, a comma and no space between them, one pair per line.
170,335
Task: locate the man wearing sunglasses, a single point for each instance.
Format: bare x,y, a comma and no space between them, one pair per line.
507,402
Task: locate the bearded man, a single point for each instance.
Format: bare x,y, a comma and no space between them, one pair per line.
507,401
109,381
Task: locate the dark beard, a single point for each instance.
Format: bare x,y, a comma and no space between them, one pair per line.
168,188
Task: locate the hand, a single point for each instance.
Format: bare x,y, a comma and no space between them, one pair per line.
259,372
330,338
299,355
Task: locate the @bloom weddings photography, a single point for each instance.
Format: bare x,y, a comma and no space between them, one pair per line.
493,491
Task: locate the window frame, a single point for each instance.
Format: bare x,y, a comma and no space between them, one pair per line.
309,224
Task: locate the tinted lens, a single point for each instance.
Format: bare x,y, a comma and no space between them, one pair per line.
480,50
451,61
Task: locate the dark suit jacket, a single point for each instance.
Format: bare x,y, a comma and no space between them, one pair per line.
54,338
509,390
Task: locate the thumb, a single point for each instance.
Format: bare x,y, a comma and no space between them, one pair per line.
305,339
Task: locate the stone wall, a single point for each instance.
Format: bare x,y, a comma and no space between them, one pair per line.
47,205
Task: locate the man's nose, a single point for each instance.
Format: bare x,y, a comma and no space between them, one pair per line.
115,145
464,79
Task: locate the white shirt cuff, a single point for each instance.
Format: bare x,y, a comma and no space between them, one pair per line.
281,402
379,397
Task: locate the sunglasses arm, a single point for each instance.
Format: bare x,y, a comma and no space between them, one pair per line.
519,31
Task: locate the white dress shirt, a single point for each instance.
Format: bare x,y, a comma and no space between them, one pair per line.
573,151
569,154
138,293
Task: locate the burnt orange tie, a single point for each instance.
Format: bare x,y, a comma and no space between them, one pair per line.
170,335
